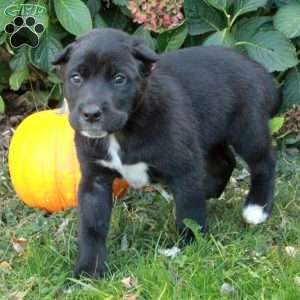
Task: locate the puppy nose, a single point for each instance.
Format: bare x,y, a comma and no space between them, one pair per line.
91,113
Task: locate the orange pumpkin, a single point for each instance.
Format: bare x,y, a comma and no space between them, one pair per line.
43,164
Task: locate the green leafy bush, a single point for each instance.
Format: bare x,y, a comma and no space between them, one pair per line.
266,31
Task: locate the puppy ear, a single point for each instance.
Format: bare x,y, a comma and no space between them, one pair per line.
144,54
62,58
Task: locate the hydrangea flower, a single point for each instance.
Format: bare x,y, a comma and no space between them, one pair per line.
157,15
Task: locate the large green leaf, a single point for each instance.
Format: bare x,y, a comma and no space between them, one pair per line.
3,37
115,18
245,28
120,2
99,22
202,18
18,65
4,73
243,6
221,38
2,105
43,55
73,15
272,49
42,15
280,3
287,20
275,124
146,36
94,7
172,39
17,78
8,10
218,4
57,31
291,88
19,60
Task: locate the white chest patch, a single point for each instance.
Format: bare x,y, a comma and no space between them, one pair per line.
136,174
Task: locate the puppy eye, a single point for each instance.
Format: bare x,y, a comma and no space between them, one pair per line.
119,79
76,78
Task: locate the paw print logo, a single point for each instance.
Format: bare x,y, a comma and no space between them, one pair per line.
24,31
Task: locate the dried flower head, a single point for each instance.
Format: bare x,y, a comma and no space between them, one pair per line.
157,15
292,120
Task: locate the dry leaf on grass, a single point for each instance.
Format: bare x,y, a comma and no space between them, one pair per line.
130,297
226,289
5,266
18,295
152,226
149,189
19,244
62,226
290,251
172,252
129,282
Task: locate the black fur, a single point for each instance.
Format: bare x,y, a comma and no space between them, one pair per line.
177,112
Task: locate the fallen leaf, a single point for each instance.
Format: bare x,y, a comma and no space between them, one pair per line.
62,226
149,189
67,290
129,282
5,266
120,187
152,226
129,297
124,243
226,289
18,295
290,251
19,244
172,252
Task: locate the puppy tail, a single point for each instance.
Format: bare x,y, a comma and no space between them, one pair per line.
277,100
277,103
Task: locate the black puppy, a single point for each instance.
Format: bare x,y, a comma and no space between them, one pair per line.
169,118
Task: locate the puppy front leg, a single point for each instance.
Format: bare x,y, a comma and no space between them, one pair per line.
95,205
190,201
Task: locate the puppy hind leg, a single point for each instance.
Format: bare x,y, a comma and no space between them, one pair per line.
260,199
255,148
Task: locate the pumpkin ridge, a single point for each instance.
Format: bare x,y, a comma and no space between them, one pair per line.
29,193
47,172
59,193
50,207
14,164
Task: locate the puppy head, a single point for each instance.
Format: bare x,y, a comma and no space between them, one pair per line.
104,75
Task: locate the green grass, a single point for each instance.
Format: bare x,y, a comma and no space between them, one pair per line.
251,259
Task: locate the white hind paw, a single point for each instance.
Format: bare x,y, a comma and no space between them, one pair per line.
254,214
